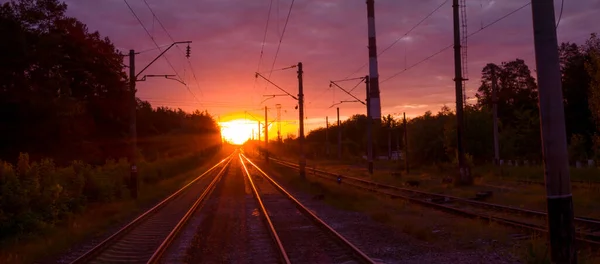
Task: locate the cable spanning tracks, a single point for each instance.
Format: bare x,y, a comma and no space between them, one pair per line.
587,229
146,238
301,236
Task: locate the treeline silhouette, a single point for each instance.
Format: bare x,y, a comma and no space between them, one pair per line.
64,92
432,137
64,121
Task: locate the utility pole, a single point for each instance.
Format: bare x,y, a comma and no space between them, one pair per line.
464,176
495,116
406,145
258,131
133,177
301,117
390,140
278,106
375,102
554,139
369,127
398,144
266,137
327,135
339,145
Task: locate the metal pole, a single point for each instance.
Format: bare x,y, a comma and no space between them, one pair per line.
398,145
327,135
373,67
339,135
554,138
301,117
406,145
133,128
495,116
464,176
266,136
389,140
369,128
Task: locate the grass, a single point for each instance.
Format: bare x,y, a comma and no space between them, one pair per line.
536,251
423,224
486,178
426,225
93,221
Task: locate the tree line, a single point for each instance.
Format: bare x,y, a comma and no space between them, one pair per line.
65,117
432,137
64,93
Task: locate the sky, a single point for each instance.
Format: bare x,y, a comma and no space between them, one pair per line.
329,37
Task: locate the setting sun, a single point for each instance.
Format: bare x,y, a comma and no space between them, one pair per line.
237,131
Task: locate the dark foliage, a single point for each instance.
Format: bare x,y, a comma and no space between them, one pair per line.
64,92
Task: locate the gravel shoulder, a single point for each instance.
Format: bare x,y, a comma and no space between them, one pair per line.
383,242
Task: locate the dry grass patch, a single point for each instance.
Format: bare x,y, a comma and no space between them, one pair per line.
424,224
536,251
488,178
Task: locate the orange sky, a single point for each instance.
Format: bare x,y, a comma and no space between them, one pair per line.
329,37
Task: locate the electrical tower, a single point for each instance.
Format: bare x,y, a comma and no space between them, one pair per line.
463,45
278,106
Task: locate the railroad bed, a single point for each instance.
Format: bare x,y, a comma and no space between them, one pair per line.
144,239
302,236
231,227
236,214
530,221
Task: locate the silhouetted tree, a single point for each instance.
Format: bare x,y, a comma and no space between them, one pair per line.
64,92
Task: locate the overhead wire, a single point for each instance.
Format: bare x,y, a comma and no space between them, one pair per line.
403,36
157,46
262,47
451,45
173,40
281,37
562,5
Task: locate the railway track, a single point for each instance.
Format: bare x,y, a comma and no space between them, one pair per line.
587,230
231,228
146,238
299,234
574,183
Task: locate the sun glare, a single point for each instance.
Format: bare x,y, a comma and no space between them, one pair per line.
237,131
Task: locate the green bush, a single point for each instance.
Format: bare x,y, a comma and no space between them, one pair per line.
36,195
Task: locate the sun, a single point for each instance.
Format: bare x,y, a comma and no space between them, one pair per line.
237,131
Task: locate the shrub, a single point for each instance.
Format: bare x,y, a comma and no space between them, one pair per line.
35,195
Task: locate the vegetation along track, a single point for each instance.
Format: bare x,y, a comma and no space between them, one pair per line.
588,230
301,235
145,238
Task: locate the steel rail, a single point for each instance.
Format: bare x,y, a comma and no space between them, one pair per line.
267,218
169,239
90,254
363,257
582,237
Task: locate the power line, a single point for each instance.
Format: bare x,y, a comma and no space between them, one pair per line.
281,38
562,5
177,46
158,47
403,36
451,45
262,48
